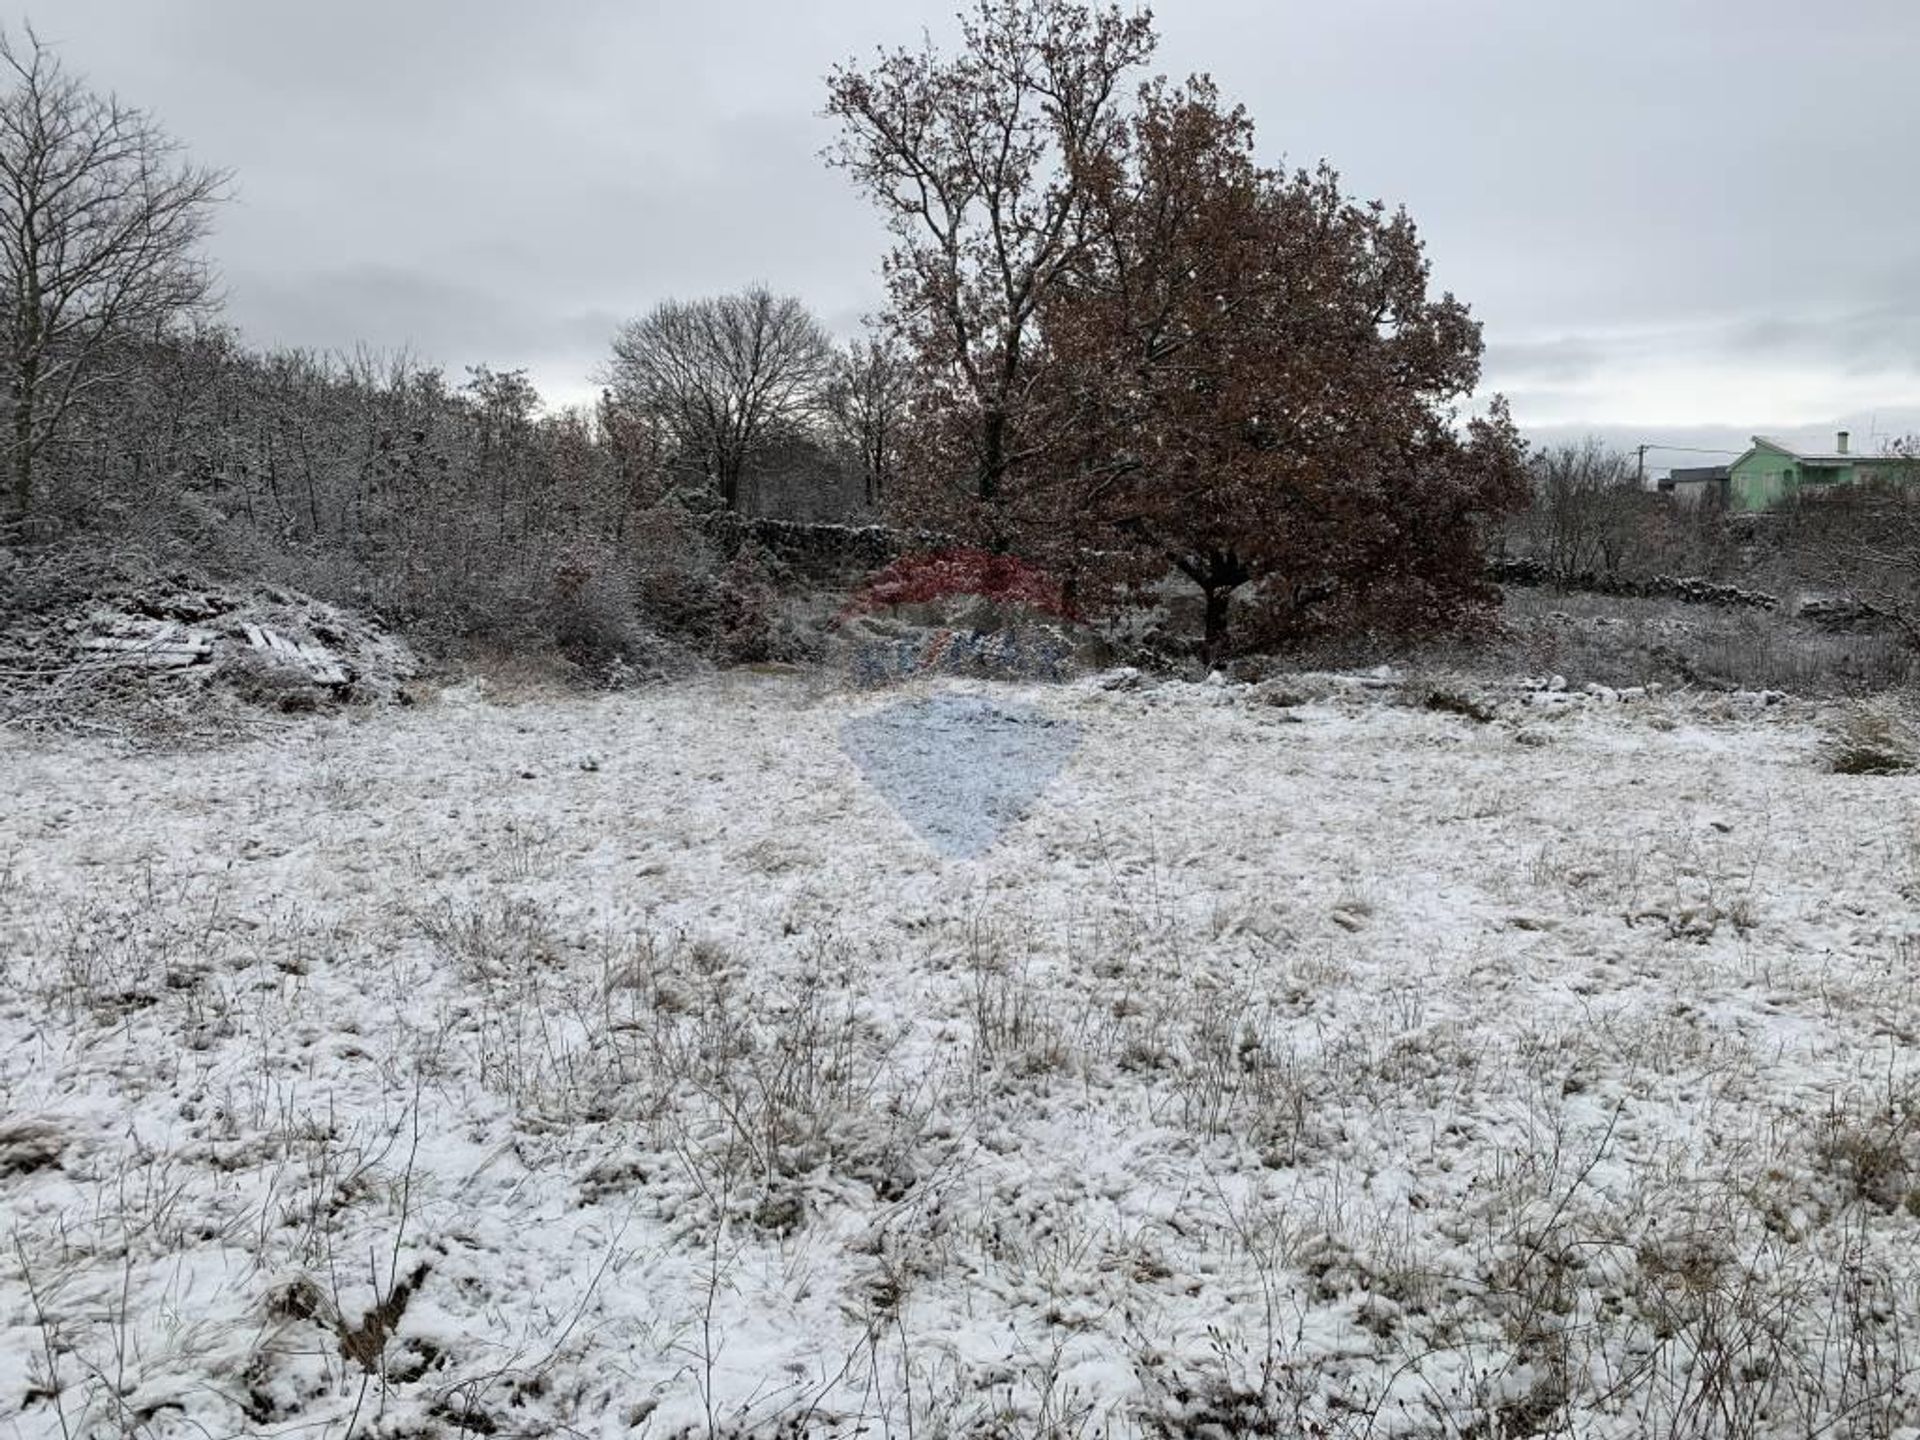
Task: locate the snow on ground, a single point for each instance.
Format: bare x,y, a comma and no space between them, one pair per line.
1300,1062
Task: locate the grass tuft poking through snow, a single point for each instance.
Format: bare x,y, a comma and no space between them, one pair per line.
1873,737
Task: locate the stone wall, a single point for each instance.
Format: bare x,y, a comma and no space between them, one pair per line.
1522,570
831,554
822,553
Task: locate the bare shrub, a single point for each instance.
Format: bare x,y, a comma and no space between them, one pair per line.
1585,509
1858,544
593,617
724,607
1590,519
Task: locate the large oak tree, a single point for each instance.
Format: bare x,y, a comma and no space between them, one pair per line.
1270,393
1225,370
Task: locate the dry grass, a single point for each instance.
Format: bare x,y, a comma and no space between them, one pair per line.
1211,1164
1624,642
1670,1293
1873,738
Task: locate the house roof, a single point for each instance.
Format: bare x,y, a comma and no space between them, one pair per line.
1820,457
1697,474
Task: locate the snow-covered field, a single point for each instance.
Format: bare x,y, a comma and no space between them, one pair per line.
1302,1062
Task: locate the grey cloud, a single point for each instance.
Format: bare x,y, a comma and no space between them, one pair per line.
1720,181
1535,364
395,308
1877,337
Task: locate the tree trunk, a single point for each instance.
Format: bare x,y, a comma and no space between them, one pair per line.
1218,573
993,452
22,476
23,442
1213,645
22,459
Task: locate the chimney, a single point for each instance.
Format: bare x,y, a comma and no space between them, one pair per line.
1843,442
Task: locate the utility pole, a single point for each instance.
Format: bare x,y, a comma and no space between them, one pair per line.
1640,469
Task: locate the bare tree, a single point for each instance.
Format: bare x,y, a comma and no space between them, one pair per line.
505,409
721,377
1586,508
865,407
977,161
100,223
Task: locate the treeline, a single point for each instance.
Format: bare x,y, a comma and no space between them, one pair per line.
742,401
368,453
1116,345
142,436
463,511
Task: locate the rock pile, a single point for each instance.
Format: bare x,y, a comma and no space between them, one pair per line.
191,651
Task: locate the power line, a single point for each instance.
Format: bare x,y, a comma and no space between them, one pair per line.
1692,450
1640,456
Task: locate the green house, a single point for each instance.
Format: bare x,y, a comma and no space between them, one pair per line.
1770,471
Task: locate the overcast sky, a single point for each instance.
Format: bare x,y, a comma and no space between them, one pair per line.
1680,221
